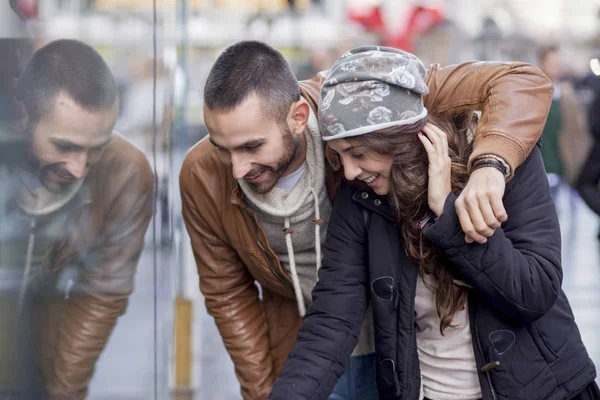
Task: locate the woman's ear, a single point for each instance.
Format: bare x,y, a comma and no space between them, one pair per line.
298,116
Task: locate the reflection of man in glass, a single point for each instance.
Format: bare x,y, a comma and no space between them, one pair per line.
78,203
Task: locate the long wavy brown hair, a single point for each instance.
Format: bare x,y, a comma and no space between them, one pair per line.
408,195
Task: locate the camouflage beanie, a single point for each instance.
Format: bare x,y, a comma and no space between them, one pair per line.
371,88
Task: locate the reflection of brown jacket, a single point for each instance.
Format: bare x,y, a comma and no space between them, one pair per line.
105,237
232,251
574,140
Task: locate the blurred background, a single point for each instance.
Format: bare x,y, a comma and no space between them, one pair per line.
161,51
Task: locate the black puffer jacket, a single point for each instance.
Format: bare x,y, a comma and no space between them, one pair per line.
526,343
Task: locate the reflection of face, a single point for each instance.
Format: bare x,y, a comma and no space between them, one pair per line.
69,140
551,65
364,164
258,149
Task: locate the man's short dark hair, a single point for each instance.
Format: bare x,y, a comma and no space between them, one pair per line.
252,67
67,66
544,51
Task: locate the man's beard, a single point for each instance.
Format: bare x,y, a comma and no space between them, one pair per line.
290,148
54,186
35,167
43,172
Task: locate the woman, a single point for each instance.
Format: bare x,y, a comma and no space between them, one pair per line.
453,320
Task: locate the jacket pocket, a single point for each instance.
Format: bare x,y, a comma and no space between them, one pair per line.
518,358
526,359
390,374
552,331
545,350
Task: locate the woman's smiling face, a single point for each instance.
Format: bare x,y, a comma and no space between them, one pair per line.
364,164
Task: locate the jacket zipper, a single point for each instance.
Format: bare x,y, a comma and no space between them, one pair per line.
487,372
278,274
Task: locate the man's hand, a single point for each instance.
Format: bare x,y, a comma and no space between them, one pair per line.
479,206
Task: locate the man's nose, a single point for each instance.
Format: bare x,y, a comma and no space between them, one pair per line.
240,166
77,166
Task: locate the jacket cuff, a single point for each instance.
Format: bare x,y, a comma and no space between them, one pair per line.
447,235
499,145
445,231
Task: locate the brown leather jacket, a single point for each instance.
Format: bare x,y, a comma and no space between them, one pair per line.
104,240
232,251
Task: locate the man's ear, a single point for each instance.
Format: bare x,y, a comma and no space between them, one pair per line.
21,117
298,116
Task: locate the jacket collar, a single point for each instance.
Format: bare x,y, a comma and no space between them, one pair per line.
82,198
374,203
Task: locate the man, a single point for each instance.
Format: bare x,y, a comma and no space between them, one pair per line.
15,359
256,200
77,199
565,139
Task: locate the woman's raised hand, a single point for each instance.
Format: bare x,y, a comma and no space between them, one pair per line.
435,142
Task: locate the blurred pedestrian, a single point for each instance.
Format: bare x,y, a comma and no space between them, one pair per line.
589,178
566,140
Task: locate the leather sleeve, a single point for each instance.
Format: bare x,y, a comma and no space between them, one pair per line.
311,89
101,293
229,290
514,99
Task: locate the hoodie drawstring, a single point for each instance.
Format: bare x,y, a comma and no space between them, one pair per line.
288,241
295,280
318,221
